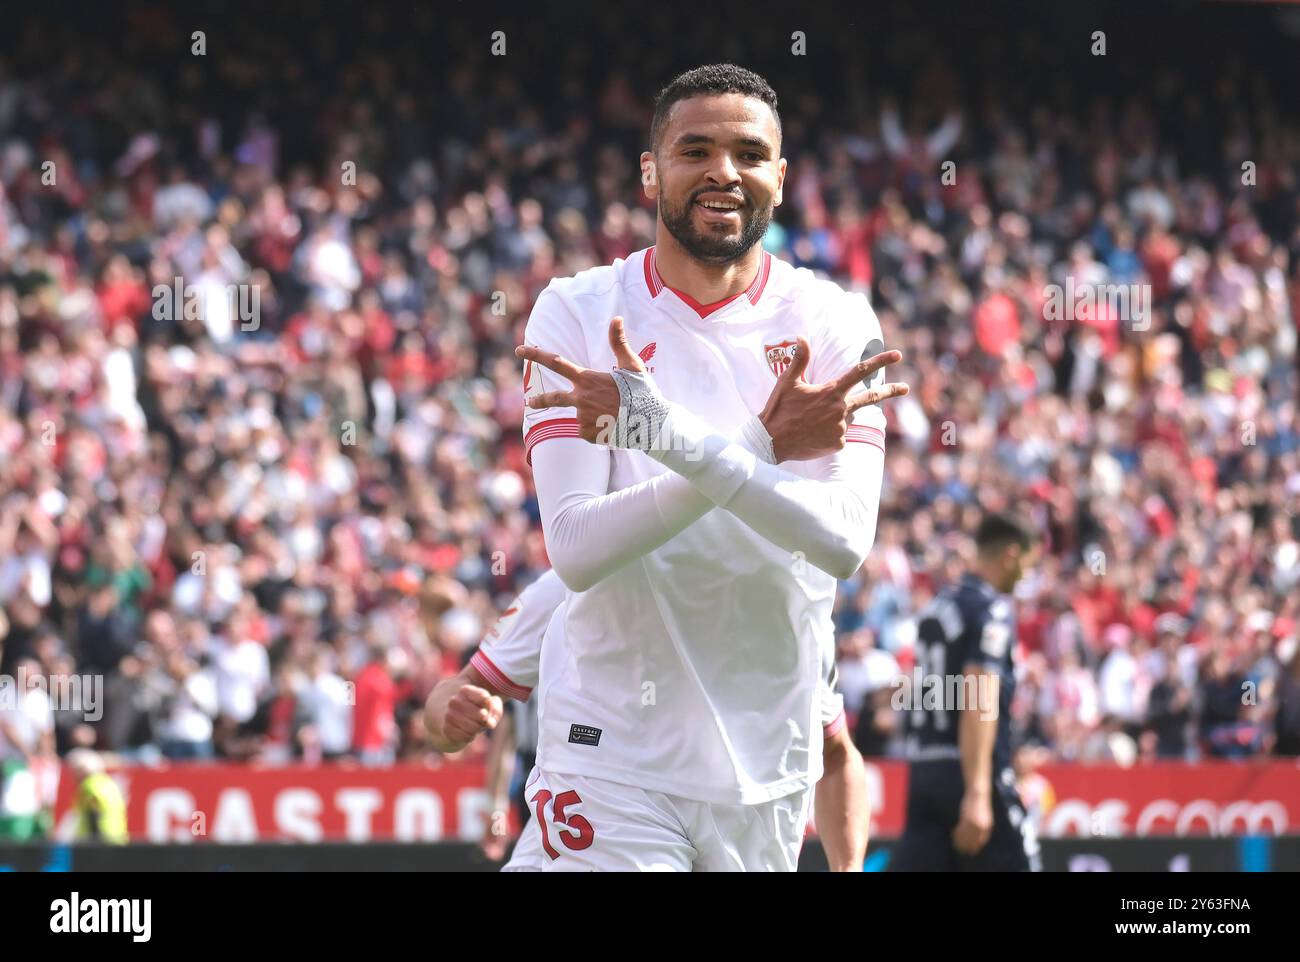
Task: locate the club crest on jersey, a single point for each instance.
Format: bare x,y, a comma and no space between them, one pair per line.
780,355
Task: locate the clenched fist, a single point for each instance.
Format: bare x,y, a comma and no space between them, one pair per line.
457,711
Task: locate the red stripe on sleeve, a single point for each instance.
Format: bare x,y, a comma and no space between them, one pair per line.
545,430
499,679
862,434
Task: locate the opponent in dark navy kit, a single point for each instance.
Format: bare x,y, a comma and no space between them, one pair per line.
963,812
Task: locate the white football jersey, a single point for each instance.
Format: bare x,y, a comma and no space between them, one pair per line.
511,652
695,670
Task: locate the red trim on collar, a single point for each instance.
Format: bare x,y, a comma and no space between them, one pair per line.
654,283
755,290
704,310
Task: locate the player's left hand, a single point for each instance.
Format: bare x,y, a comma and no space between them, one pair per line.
594,394
807,421
976,823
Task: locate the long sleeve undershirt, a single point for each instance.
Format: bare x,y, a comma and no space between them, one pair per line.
591,531
830,517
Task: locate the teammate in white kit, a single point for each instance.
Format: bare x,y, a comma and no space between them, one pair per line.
679,721
506,666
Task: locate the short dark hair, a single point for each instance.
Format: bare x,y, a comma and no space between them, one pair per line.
713,78
997,529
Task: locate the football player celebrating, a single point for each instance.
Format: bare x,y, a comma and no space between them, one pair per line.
700,506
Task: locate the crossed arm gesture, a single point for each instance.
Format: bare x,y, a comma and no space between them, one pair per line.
805,421
826,514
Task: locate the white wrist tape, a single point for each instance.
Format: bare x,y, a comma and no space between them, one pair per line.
642,411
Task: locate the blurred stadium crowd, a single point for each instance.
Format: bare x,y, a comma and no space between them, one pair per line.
272,542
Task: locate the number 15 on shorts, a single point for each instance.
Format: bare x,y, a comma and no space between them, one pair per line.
572,830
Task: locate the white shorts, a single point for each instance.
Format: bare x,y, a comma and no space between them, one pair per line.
583,824
527,856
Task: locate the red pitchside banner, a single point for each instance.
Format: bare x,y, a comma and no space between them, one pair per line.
1164,798
240,803
1173,798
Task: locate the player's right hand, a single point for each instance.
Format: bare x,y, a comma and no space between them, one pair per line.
975,824
595,396
809,421
469,711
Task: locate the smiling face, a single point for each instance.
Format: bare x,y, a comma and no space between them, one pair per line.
718,175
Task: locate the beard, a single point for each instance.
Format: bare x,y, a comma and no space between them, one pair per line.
707,246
